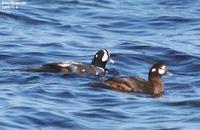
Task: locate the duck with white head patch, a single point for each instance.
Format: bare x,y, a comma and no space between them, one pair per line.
153,85
96,67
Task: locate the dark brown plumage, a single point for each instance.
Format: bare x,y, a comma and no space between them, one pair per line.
153,85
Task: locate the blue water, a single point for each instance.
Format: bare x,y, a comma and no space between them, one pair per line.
138,33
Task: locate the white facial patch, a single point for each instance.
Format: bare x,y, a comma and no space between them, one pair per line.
105,56
96,56
161,71
153,70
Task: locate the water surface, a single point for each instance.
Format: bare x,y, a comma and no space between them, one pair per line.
137,33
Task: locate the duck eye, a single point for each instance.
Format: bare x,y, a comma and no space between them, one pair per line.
163,67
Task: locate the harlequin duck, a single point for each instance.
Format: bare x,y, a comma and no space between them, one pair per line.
153,85
96,67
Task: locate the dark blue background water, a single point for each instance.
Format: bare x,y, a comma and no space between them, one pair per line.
138,33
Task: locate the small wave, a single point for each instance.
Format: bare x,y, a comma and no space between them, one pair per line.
22,18
171,20
192,103
176,3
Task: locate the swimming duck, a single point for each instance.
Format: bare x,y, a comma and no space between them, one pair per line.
154,84
96,67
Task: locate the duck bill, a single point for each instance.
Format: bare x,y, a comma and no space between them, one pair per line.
168,73
111,61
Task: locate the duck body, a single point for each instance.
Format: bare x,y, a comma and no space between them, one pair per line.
71,67
129,84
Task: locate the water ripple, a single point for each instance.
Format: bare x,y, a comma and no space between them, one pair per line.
137,33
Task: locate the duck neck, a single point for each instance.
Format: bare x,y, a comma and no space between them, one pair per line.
157,84
98,63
